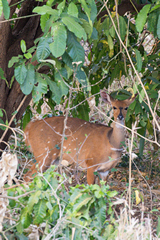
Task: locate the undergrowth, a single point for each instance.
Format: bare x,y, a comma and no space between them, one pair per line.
50,208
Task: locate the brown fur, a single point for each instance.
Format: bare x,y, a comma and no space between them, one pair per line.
87,144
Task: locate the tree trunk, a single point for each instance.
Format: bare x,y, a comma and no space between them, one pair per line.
28,29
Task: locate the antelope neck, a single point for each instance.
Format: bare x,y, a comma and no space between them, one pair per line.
117,136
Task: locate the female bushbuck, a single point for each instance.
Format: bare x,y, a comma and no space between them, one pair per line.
93,146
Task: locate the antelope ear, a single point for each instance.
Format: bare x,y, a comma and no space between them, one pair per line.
106,97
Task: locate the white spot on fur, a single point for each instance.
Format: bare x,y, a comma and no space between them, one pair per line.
65,163
103,175
41,129
117,149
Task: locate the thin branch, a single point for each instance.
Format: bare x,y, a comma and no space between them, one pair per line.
17,197
10,122
13,19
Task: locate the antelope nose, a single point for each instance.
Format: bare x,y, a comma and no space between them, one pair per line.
120,117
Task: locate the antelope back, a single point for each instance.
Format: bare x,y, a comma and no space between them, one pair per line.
87,144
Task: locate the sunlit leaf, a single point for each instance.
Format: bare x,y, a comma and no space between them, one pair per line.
29,81
74,27
20,73
45,9
40,88
158,27
138,200
73,10
6,9
123,28
75,50
139,60
23,46
141,17
40,210
59,33
43,50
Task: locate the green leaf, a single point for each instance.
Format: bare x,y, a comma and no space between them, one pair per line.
43,50
101,214
27,117
155,7
58,89
87,10
142,17
1,7
75,50
67,59
14,60
1,113
43,21
28,84
34,198
139,60
158,227
40,210
82,201
111,193
75,195
152,22
132,105
61,7
118,71
59,33
83,111
45,9
138,109
81,77
40,88
93,7
87,27
141,95
111,45
112,32
2,74
25,219
28,55
73,10
74,27
123,28
6,9
20,73
23,46
158,27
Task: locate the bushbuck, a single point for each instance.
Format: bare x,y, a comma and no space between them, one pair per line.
94,147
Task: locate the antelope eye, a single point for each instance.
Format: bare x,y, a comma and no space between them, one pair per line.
114,108
126,108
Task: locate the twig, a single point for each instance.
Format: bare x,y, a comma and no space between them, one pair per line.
130,168
65,119
17,197
12,121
